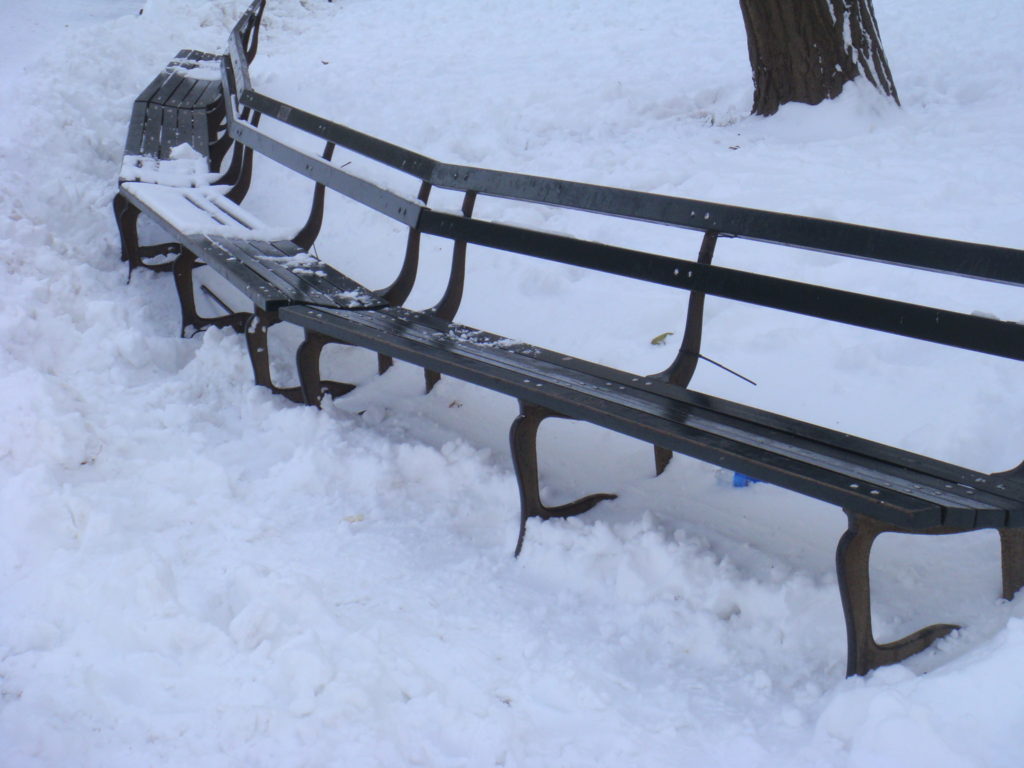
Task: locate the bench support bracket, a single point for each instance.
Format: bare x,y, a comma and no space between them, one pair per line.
396,293
685,363
259,354
523,439
852,558
448,306
127,217
1011,542
307,360
183,267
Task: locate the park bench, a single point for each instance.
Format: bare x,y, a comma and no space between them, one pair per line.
177,136
879,487
206,226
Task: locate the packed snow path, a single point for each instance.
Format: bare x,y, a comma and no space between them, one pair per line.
195,572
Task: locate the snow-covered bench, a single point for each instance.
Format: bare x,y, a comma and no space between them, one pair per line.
183,105
177,136
199,210
880,488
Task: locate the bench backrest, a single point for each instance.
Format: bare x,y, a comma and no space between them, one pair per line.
700,277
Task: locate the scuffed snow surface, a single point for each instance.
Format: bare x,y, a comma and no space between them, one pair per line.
193,572
173,172
203,211
197,70
186,167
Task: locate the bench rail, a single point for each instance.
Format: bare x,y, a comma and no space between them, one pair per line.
965,259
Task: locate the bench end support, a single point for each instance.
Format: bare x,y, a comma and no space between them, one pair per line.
852,565
1011,541
183,267
307,360
523,440
258,344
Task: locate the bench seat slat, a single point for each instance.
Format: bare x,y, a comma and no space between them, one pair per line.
405,339
330,281
341,290
194,55
290,269
192,99
227,264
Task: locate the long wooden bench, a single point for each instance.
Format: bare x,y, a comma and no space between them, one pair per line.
880,488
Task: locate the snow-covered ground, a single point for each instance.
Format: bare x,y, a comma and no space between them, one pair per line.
194,572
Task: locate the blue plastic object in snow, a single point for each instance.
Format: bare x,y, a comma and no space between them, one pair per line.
740,480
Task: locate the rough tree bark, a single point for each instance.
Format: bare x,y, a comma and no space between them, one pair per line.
807,50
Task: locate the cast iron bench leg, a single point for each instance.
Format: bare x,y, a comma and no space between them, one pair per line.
259,354
523,438
852,558
1011,542
184,265
307,360
662,457
127,217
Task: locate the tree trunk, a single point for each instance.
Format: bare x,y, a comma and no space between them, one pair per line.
807,50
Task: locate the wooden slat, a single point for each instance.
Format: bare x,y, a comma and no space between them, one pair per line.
261,256
136,126
270,262
223,260
171,134
193,55
194,126
976,260
178,98
164,92
332,282
205,94
155,85
152,129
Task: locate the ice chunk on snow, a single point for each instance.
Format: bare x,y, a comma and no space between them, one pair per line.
186,151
